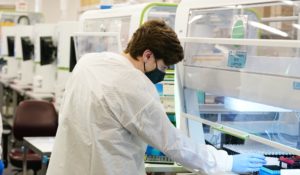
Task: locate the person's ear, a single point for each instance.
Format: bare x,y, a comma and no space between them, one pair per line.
147,55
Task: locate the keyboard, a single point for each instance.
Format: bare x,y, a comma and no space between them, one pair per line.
158,159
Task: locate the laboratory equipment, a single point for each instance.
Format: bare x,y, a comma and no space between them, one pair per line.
158,159
73,59
290,162
125,20
240,75
65,53
8,35
24,50
270,170
9,31
255,147
96,42
44,58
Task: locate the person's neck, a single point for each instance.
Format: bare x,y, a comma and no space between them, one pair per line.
136,63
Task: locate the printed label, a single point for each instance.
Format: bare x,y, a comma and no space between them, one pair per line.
237,59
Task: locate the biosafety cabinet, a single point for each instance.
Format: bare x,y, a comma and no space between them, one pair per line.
45,54
240,74
65,53
125,20
10,70
24,51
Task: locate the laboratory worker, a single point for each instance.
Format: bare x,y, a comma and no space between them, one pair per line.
111,110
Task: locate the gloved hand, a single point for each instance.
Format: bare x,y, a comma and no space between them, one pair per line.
245,163
1,167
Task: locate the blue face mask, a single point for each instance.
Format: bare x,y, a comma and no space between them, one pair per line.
155,75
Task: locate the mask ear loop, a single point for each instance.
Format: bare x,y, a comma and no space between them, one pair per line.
145,65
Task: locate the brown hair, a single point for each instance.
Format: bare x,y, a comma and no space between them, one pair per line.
158,37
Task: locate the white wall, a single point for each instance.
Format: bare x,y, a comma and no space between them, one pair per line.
56,10
30,5
51,10
7,2
69,9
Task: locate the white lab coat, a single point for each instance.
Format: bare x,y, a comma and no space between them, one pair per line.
110,111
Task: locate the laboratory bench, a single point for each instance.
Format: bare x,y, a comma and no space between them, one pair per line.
12,90
40,96
44,145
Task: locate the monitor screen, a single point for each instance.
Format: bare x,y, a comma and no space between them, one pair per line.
48,50
11,45
27,48
73,59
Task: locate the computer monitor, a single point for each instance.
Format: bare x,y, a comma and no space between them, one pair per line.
48,50
11,45
73,59
27,48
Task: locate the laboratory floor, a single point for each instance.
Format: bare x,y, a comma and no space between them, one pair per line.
10,171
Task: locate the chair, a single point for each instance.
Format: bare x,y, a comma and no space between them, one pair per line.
33,118
5,134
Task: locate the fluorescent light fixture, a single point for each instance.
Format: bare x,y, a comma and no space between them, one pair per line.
223,49
288,2
195,18
268,28
234,6
247,106
297,26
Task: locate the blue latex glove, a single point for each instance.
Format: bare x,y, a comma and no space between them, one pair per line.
1,167
245,163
